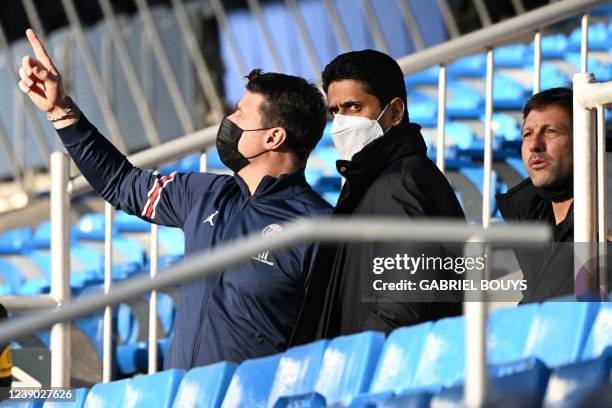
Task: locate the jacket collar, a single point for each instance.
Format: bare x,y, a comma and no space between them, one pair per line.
285,185
523,202
401,141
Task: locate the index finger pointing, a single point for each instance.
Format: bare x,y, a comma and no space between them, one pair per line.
39,48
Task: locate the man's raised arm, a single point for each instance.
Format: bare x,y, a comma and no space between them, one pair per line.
161,199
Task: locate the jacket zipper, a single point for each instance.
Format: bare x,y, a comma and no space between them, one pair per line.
208,294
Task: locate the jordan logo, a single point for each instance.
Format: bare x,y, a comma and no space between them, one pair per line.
211,218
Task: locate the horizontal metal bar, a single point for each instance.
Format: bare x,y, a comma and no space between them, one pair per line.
19,304
159,155
591,94
350,229
492,36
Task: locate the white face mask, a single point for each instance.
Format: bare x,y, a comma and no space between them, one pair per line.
352,133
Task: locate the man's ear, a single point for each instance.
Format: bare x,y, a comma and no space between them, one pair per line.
275,138
396,109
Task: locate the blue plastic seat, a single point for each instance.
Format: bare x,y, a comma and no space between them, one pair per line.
559,331
459,135
553,46
428,76
213,161
507,332
423,109
171,241
204,387
156,390
348,365
442,360
130,223
297,374
600,337
508,93
105,395
464,102
11,276
569,384
80,394
251,383
599,38
397,365
16,241
473,66
513,56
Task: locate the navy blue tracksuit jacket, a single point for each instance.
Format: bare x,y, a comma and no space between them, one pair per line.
246,311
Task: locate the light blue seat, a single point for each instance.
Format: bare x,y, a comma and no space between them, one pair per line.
428,76
80,394
348,365
507,332
459,135
156,390
397,365
553,46
251,383
213,161
204,387
16,241
11,276
171,242
105,395
513,56
130,223
506,127
599,38
297,373
559,331
423,109
91,227
473,66
552,77
442,360
600,337
508,93
465,101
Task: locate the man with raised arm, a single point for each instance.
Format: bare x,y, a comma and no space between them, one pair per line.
245,311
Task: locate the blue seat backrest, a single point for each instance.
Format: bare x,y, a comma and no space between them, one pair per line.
348,365
80,394
130,223
507,332
106,394
559,331
400,357
156,390
251,383
600,336
297,371
443,357
204,386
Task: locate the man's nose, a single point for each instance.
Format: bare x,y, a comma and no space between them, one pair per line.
537,143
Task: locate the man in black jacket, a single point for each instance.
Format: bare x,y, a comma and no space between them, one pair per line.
547,195
387,173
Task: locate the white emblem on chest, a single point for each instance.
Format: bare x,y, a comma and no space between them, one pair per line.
210,219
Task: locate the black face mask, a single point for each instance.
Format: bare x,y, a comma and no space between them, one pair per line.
228,137
562,190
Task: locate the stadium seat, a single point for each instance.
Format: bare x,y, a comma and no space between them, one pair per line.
427,76
600,337
397,365
423,109
599,38
251,383
204,387
559,331
464,101
507,332
130,223
296,375
16,241
513,56
508,93
442,361
156,390
80,394
553,46
348,366
472,66
571,383
105,395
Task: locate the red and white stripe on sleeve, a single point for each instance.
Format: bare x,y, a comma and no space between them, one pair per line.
155,194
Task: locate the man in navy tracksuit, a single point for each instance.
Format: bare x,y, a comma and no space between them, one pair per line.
245,311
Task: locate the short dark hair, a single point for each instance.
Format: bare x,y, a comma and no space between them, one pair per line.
380,73
562,97
293,104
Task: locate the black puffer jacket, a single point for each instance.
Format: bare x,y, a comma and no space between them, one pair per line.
392,176
548,269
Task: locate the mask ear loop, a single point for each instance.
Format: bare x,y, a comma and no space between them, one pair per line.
263,151
380,116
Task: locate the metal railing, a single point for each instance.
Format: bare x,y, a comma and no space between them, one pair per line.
484,40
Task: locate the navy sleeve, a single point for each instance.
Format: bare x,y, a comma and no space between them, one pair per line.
161,199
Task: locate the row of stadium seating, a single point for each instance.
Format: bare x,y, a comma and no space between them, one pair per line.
536,352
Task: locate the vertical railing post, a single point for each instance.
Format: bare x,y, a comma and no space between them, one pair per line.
107,341
488,143
584,43
475,312
585,203
60,266
537,61
601,200
154,264
440,150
